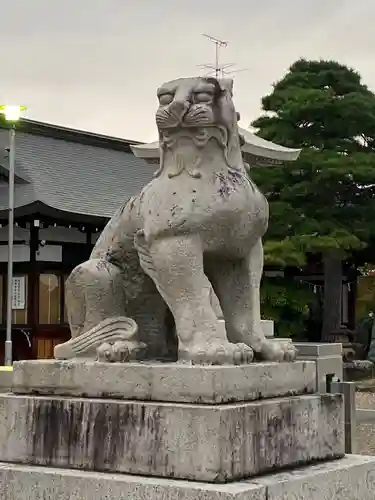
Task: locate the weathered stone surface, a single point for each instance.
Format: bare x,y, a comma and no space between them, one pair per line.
198,442
319,349
197,226
6,380
351,478
113,339
164,382
19,482
268,327
328,359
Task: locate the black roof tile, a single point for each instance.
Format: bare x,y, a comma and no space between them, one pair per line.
70,174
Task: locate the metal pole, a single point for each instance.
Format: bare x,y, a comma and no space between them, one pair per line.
12,160
217,69
348,391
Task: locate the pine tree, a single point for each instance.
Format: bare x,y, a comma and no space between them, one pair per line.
325,201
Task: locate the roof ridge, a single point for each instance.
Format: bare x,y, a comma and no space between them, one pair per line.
47,129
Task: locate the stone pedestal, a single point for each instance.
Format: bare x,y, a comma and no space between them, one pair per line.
171,382
350,478
196,442
327,358
6,377
174,431
268,327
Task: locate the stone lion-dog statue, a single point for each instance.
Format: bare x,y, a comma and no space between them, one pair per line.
198,224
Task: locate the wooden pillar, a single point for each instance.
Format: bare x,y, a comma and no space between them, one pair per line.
88,241
352,297
33,286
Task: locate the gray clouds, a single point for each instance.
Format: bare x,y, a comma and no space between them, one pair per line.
97,67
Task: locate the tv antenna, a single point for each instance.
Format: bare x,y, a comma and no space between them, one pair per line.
216,69
224,72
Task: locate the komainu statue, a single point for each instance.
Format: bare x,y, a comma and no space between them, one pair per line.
198,224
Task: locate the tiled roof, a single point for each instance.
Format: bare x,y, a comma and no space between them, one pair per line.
254,146
71,176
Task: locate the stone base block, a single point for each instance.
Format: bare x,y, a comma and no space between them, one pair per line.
328,359
164,381
267,327
187,441
326,365
317,350
351,478
37,483
6,378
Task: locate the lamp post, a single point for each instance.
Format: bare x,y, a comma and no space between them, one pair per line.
12,115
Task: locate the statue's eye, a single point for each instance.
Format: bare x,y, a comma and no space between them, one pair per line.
203,97
165,99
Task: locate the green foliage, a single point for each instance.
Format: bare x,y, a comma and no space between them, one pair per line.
320,104
324,201
284,252
365,303
286,303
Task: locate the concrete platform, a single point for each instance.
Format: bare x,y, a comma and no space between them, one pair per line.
217,443
6,378
328,360
351,478
318,349
172,382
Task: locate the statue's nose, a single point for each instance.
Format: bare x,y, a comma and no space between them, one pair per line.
179,108
181,101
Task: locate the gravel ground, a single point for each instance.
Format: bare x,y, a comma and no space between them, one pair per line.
365,443
365,400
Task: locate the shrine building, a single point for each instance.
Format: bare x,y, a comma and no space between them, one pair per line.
68,183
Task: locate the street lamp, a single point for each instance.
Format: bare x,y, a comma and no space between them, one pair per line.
12,115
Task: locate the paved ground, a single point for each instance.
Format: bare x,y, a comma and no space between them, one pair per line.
365,444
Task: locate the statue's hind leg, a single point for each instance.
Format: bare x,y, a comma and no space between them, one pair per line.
95,301
93,292
237,285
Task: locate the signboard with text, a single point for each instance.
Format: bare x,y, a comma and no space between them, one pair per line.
19,292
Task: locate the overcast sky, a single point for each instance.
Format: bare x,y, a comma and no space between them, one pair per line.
96,64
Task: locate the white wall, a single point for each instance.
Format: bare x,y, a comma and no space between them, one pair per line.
21,253
62,235
58,234
49,253
20,234
46,253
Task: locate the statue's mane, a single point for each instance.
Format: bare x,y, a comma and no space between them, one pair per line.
225,129
230,118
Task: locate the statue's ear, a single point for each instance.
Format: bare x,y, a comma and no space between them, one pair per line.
226,84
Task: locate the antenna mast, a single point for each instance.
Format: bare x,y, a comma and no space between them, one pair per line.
218,45
217,69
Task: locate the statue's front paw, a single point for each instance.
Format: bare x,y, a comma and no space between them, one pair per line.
277,350
104,352
217,353
128,351
290,352
120,351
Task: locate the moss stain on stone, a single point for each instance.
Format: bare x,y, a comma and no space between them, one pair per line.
92,435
